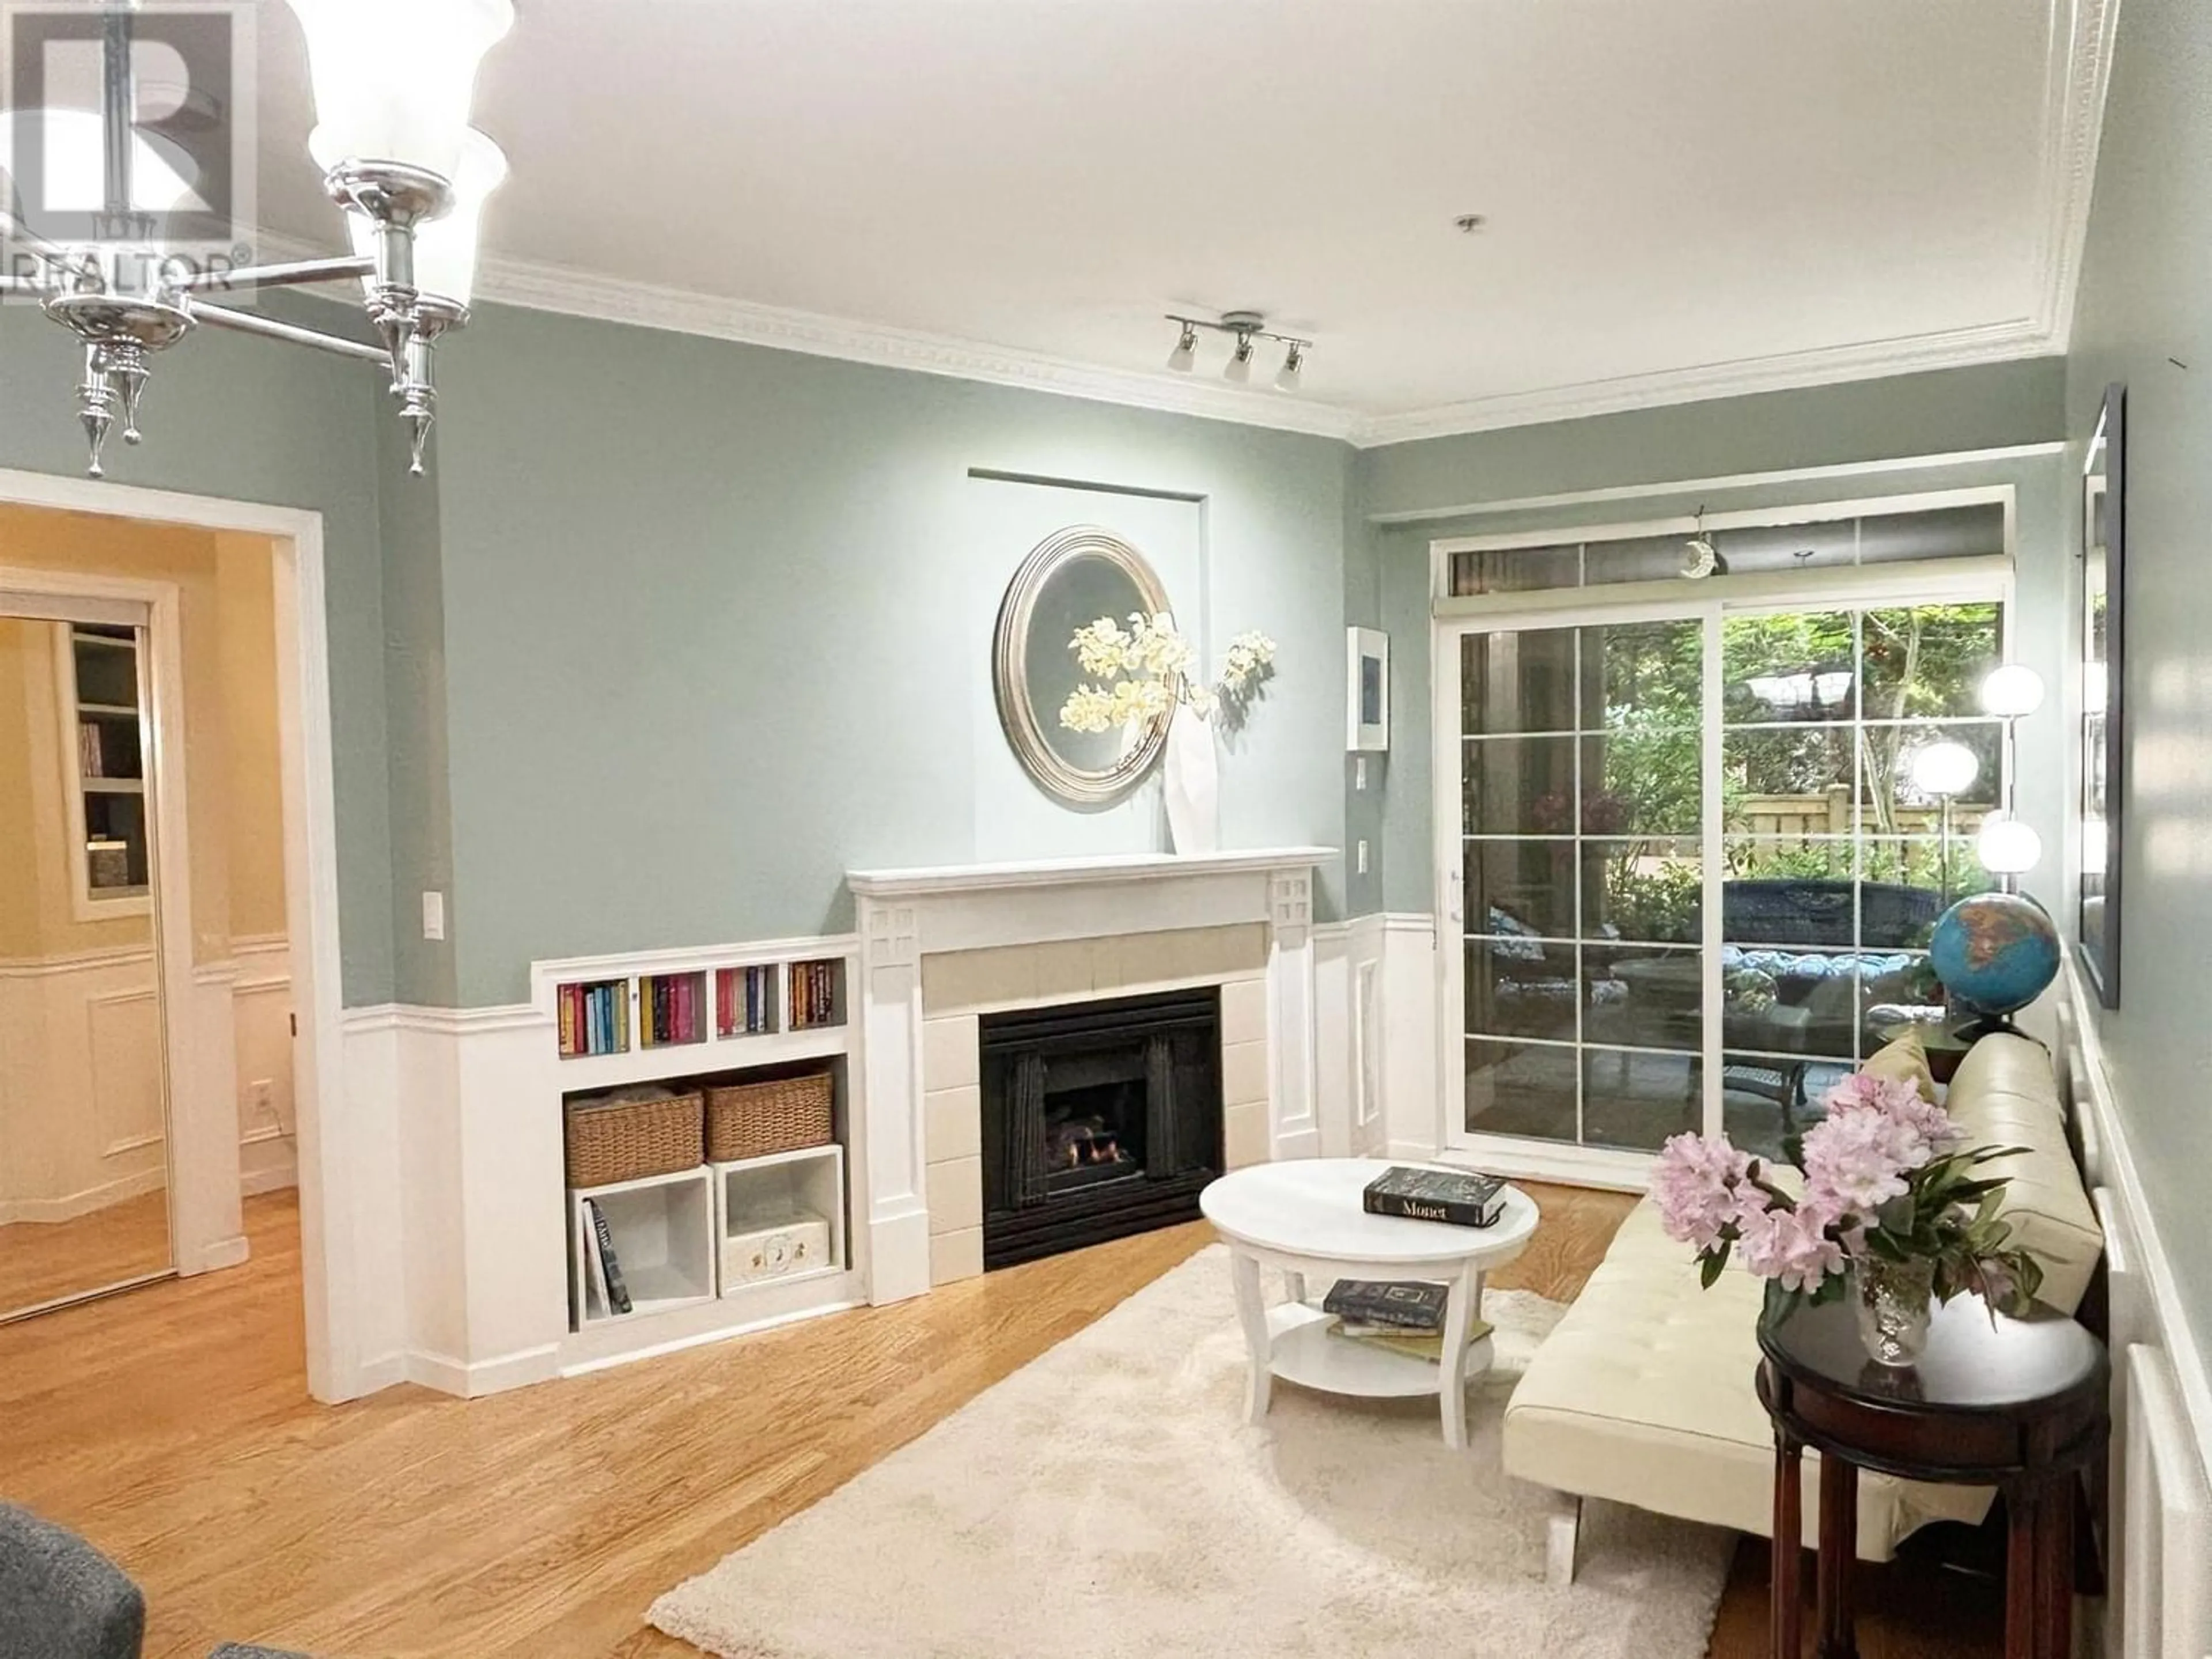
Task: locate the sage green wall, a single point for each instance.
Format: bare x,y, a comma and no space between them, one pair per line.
257,422
1949,412
2142,316
417,763
715,617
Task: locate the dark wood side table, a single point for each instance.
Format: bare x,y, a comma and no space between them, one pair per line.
2019,1404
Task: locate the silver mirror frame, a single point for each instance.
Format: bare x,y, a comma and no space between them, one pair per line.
1022,722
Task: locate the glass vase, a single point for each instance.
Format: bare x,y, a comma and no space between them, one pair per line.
1892,1300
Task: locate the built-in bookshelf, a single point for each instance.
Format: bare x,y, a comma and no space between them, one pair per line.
659,1235
778,1218
101,703
672,1009
746,1013
594,1017
745,999
715,1249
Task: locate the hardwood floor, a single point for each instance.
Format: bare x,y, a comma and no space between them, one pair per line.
42,1260
171,1426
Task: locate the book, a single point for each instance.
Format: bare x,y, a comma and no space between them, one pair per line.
1401,1304
603,1235
1417,1345
1457,1196
595,1268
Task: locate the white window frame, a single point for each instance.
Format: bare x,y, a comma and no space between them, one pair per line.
1958,579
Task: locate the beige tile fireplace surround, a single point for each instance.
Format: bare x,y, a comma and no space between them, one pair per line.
958,986
940,948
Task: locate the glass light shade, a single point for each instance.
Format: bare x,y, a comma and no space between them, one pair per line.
2011,691
1240,366
2006,847
393,79
445,247
1185,352
1944,769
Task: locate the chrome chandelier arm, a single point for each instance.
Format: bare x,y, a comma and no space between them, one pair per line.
289,273
248,322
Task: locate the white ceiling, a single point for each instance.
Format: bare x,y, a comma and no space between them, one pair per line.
1684,197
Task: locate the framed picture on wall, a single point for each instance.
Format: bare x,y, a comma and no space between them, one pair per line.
1367,691
2104,672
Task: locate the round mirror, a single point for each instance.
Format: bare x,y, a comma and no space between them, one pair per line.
1069,580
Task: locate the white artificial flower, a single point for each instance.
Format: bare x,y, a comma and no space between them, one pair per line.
1087,709
1103,648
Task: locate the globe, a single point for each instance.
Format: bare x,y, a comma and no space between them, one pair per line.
1995,951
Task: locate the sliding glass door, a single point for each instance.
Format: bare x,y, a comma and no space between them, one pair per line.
1692,855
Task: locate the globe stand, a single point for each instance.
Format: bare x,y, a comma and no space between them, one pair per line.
1984,1025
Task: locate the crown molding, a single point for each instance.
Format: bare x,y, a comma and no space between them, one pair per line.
607,299
2078,68
1992,342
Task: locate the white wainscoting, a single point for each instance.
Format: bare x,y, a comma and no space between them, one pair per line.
87,1027
2160,1505
460,1278
1349,1039
261,1012
1412,1090
83,1032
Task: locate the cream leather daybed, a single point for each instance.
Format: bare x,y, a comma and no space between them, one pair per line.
1642,1394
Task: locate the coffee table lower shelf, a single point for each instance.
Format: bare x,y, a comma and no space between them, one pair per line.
1301,1350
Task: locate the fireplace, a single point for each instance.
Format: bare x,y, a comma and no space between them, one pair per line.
1100,1120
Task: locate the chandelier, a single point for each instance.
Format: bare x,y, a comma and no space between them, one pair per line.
393,82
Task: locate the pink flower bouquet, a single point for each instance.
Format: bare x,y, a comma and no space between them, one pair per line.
1887,1185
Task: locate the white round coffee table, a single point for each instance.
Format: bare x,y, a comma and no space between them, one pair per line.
1303,1216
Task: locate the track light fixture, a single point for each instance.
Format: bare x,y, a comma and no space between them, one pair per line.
1248,328
1186,351
1240,360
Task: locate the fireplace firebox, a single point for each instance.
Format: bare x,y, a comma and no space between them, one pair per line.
1100,1120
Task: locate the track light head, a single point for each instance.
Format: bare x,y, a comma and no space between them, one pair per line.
1294,363
1240,360
1185,351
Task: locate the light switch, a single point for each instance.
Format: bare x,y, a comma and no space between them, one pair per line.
433,915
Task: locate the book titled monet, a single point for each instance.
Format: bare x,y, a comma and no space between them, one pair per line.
1458,1197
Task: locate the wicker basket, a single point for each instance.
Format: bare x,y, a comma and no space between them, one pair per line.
630,1140
768,1114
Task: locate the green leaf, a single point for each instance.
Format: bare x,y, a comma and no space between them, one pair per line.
1710,1265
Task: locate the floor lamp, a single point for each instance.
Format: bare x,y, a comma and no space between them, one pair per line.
2008,848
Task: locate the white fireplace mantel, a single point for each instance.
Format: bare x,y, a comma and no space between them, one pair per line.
906,915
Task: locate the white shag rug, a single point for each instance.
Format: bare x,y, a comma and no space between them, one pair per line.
1108,1501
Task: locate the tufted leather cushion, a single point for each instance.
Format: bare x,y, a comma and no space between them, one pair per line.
1642,1394
2005,1095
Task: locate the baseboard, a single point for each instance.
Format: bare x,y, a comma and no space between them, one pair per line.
252,1183
223,1253
898,1255
70,1206
372,1376
485,1376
